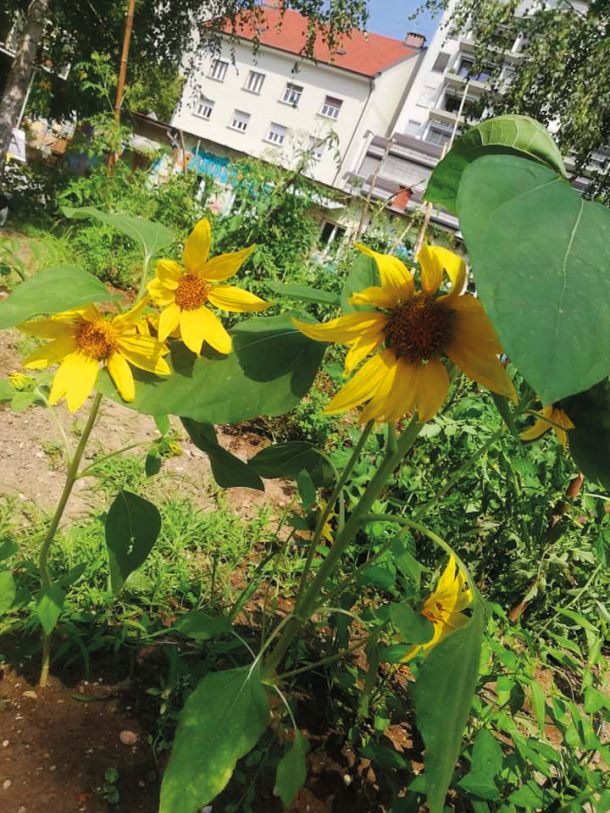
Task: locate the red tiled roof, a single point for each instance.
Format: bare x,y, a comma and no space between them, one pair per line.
366,54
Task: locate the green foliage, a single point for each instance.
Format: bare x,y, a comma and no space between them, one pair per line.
51,291
270,369
132,528
590,438
443,695
532,239
222,720
290,459
291,769
509,135
49,606
229,471
8,591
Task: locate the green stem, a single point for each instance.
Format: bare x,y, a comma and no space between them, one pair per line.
43,553
144,277
338,491
325,661
309,599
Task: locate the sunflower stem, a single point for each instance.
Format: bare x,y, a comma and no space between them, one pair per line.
326,513
43,553
310,599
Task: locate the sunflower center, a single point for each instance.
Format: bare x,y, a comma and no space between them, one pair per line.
98,340
192,292
420,328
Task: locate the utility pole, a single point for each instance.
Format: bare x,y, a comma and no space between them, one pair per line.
112,158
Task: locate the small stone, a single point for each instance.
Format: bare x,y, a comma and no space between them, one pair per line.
128,737
31,694
6,784
5,743
141,783
347,780
22,810
53,768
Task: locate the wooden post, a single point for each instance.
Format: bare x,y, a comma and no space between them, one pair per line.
112,158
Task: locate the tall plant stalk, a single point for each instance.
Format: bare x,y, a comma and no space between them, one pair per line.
72,475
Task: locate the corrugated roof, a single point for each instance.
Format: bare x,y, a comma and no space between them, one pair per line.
366,54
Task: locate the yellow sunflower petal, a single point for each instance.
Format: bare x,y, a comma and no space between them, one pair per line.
159,293
226,265
230,298
345,329
472,328
197,247
360,388
145,352
447,583
169,273
202,325
484,368
453,265
538,428
381,403
561,418
47,328
411,653
392,271
359,350
431,269
403,396
121,374
169,319
133,315
432,389
75,379
50,353
382,297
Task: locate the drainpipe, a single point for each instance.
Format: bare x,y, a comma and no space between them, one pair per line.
356,128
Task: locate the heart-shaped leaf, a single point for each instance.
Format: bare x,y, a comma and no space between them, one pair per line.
540,257
509,135
132,528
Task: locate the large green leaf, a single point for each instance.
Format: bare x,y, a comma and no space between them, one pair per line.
363,274
51,291
229,471
8,591
304,293
589,441
150,237
49,606
512,135
222,720
132,528
414,627
271,368
290,459
292,770
443,695
541,258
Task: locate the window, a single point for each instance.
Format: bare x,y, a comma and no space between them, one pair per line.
219,70
330,234
331,108
438,134
466,71
316,148
451,103
292,94
204,107
441,62
255,82
239,121
413,128
276,134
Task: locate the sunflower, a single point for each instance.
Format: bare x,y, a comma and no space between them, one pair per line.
84,338
414,330
444,607
552,417
183,292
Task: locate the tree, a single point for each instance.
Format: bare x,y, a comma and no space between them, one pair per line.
162,34
562,75
20,74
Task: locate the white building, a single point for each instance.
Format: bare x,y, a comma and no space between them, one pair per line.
429,117
276,103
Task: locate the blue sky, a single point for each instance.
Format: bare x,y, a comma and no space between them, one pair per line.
391,17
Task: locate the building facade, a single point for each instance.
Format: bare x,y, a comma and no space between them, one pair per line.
275,104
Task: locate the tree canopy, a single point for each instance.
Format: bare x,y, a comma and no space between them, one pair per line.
561,76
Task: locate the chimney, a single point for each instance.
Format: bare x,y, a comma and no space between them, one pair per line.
414,40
